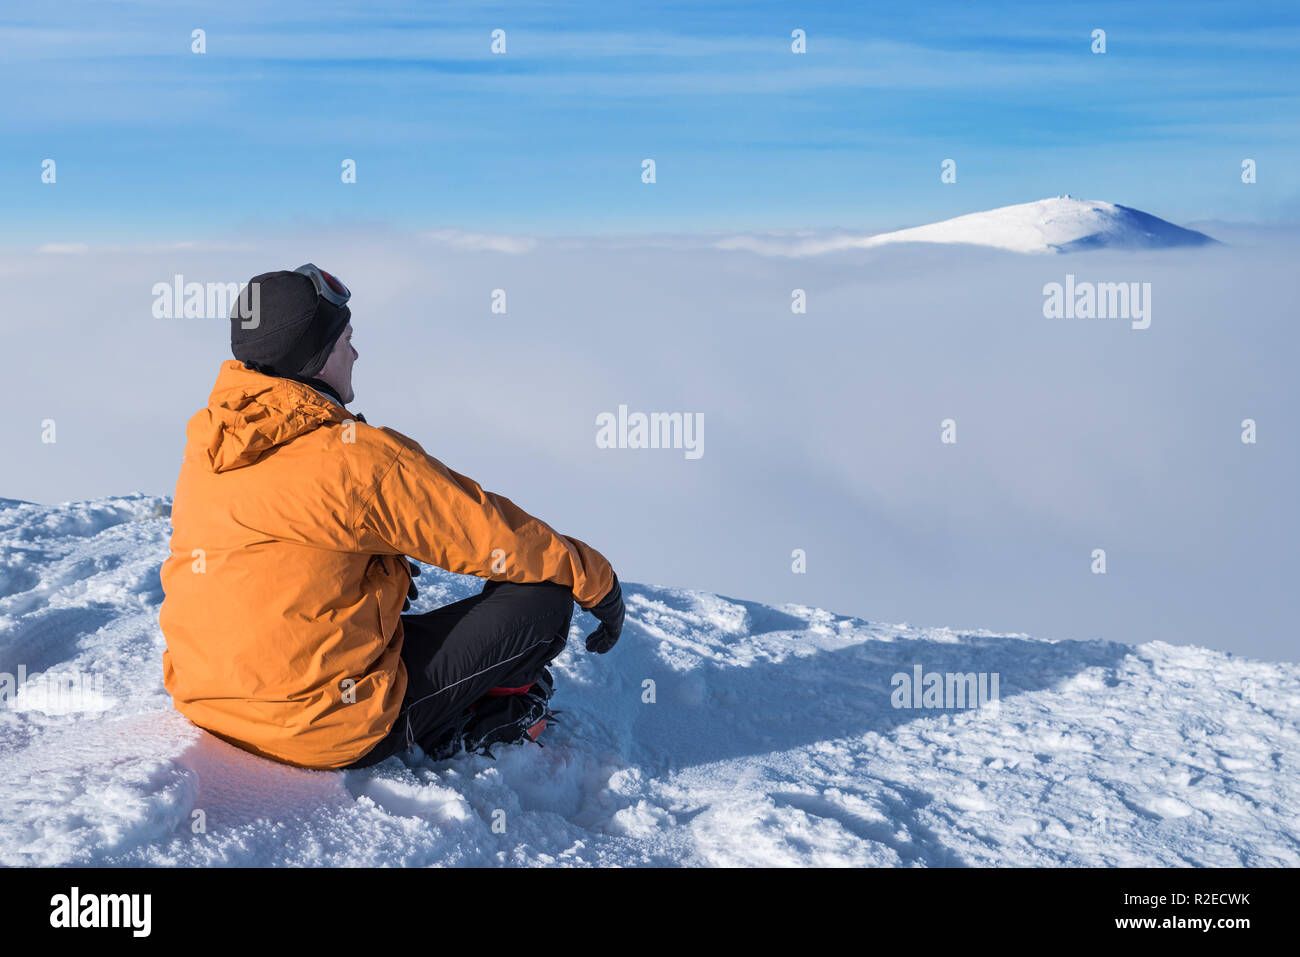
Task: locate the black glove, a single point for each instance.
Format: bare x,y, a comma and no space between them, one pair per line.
412,592
610,615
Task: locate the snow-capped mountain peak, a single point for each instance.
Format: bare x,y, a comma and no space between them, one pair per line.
1056,225
1060,224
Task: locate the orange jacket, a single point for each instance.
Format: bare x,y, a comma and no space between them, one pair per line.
286,578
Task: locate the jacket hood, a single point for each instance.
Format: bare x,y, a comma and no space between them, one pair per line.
250,414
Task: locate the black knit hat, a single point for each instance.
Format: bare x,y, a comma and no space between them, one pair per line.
286,329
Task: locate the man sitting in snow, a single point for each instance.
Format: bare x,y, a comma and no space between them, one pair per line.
288,574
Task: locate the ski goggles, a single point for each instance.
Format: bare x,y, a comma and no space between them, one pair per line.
328,286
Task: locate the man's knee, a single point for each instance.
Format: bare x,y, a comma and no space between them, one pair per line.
539,599
558,601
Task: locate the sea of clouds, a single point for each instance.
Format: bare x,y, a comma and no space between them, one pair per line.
821,429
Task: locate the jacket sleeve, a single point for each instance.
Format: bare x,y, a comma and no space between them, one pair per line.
421,508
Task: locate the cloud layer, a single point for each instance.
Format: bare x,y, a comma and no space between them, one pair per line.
823,429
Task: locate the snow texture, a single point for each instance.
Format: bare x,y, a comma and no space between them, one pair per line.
772,740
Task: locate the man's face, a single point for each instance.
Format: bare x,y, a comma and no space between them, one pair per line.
337,370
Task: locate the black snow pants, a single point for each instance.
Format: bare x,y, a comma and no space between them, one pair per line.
501,637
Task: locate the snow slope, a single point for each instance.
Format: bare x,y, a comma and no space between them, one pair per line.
1058,225
772,741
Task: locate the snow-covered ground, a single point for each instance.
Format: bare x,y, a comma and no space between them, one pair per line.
1059,224
772,740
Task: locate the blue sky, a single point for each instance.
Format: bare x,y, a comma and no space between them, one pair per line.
154,142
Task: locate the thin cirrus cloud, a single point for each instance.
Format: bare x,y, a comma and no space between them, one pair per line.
550,136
